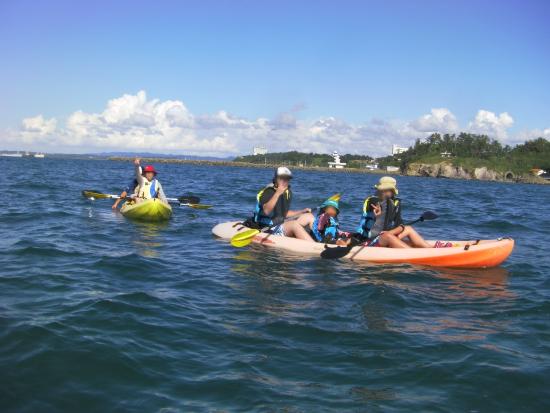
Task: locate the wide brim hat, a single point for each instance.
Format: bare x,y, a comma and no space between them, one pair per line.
149,168
387,183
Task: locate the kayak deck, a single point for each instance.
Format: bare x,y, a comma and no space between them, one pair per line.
463,254
151,210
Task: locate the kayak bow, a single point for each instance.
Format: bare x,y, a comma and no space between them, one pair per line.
152,210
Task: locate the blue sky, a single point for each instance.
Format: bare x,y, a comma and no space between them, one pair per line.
354,61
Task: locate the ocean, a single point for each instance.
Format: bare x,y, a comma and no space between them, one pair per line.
102,314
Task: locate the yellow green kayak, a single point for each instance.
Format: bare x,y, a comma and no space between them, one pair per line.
151,210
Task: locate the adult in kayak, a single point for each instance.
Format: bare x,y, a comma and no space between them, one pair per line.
381,223
128,191
326,227
148,185
273,208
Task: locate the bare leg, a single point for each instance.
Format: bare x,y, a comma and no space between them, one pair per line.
387,239
306,220
294,229
414,237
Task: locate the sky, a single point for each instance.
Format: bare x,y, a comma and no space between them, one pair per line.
219,77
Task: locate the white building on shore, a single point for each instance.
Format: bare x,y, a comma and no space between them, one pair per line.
336,163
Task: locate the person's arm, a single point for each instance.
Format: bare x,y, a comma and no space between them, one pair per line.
269,205
160,193
291,214
123,195
138,172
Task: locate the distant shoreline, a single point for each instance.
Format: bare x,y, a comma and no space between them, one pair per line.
523,179
254,165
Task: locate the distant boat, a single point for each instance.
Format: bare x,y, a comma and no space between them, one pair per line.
12,155
39,155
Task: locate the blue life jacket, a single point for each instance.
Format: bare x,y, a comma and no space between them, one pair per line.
278,214
331,230
391,219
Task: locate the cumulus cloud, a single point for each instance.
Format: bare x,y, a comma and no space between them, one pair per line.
533,134
492,124
439,120
137,124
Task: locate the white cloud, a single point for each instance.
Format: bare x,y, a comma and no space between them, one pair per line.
439,120
38,125
134,123
533,134
492,124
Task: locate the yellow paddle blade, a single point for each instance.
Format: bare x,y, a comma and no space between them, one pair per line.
96,195
198,206
242,244
242,239
335,197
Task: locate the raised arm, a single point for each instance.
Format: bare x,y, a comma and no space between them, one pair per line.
138,172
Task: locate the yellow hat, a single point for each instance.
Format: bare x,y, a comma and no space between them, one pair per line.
387,182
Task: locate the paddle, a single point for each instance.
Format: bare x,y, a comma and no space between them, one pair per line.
196,206
332,253
242,239
184,200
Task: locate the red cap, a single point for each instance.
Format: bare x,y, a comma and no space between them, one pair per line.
149,168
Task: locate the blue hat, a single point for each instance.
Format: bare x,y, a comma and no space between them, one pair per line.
332,203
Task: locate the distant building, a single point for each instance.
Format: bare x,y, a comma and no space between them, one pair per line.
336,164
446,154
39,155
259,150
396,149
372,166
392,168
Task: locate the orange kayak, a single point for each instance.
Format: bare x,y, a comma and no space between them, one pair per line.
463,254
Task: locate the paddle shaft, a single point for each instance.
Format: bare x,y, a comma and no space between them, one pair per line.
183,200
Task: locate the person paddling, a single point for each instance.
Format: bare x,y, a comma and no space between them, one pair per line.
273,208
128,191
381,223
148,185
326,226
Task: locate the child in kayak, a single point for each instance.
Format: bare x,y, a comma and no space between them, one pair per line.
326,227
273,208
381,223
128,191
148,185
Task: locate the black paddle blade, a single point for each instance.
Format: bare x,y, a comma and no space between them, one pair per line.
333,253
428,216
189,199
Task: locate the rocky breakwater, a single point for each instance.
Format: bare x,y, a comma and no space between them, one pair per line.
448,170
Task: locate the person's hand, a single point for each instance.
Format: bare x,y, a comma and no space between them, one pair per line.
115,205
136,162
377,209
281,188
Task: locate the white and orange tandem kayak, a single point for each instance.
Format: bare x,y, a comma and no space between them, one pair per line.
463,254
